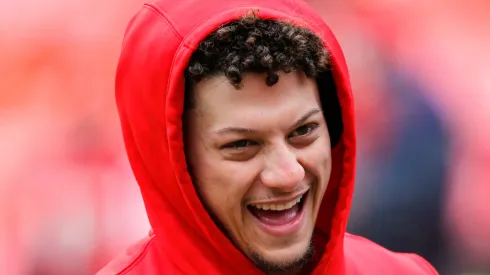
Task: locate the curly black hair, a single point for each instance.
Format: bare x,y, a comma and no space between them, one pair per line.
254,45
251,44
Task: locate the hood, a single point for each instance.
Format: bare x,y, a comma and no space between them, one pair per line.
156,48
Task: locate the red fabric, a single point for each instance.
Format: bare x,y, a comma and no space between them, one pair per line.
149,92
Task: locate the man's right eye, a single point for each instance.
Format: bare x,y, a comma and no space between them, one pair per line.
238,145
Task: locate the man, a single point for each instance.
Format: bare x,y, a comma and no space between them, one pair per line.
238,123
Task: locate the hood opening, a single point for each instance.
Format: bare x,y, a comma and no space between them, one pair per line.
150,97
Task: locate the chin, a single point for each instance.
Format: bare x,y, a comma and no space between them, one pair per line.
288,258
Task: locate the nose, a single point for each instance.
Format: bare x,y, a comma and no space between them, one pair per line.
282,169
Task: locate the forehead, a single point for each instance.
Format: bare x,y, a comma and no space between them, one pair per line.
293,93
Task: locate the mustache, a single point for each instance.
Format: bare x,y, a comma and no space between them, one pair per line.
277,193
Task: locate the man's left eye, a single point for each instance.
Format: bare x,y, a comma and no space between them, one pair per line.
304,130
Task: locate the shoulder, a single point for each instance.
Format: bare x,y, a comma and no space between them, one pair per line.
137,259
366,257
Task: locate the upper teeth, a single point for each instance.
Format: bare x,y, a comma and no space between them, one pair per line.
278,207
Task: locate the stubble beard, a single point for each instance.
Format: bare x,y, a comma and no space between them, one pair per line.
270,267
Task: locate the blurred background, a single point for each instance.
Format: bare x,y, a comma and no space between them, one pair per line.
421,77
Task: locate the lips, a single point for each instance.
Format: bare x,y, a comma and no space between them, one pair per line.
274,214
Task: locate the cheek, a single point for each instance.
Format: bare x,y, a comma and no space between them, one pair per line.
317,158
222,185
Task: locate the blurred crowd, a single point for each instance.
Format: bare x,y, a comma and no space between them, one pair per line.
420,75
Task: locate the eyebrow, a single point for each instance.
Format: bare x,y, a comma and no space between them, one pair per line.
242,130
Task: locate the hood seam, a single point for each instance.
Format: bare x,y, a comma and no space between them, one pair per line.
163,15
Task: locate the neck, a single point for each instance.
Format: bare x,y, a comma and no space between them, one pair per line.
305,270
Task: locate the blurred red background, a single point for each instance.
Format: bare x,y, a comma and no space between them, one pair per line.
69,202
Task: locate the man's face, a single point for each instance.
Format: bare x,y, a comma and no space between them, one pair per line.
260,160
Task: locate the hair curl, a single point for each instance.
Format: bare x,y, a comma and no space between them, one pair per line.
251,44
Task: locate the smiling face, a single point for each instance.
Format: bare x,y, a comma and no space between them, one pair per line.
260,160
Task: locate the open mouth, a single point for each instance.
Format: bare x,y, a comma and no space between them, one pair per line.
279,214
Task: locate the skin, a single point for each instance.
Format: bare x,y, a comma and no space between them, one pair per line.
257,144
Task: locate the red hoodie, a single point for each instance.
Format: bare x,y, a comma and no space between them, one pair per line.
149,90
